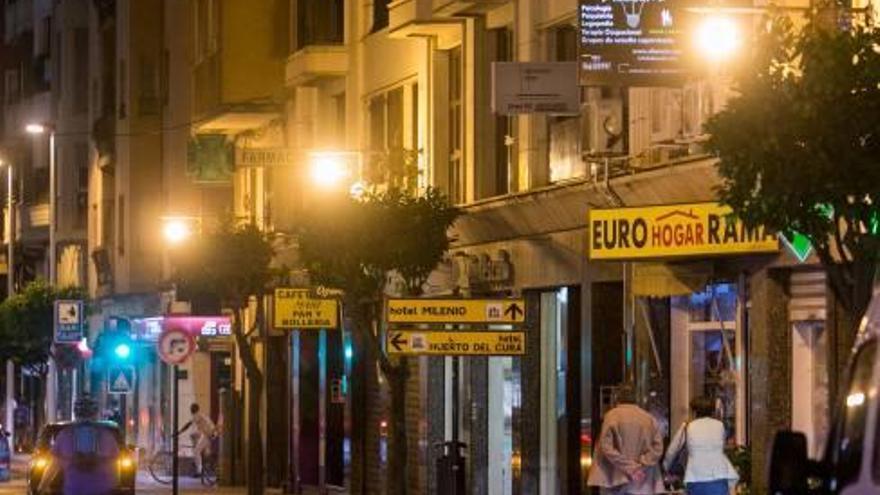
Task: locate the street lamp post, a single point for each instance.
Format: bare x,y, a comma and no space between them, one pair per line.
39,129
10,290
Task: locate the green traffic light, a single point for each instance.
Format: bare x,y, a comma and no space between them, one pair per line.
122,351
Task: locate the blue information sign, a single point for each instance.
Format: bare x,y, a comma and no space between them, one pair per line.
69,322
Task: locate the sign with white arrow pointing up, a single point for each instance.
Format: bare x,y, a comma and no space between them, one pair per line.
457,311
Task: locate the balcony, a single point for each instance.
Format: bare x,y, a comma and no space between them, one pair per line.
239,71
459,7
315,62
408,18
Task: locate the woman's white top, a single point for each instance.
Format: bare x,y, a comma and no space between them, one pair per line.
706,459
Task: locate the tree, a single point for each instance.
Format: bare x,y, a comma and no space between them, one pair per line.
799,146
232,265
360,245
27,329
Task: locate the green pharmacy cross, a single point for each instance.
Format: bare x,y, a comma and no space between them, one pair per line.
798,244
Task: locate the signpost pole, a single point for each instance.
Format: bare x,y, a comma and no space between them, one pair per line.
175,392
454,455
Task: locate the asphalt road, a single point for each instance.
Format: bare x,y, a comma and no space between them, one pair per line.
146,486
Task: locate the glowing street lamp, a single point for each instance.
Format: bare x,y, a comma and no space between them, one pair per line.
328,169
176,230
34,128
717,37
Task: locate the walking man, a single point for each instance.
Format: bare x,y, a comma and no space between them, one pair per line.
628,451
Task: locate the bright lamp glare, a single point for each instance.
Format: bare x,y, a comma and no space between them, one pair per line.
35,128
328,169
717,38
176,230
856,399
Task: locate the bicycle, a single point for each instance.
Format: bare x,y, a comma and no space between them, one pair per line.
161,465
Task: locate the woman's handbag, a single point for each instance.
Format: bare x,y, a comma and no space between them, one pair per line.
679,464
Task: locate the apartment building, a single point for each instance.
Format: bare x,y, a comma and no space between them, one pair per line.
367,78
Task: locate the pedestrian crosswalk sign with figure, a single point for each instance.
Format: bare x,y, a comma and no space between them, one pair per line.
120,380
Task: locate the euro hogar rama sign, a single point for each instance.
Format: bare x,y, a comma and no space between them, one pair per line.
669,231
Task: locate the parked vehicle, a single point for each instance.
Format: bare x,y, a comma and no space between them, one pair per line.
851,463
5,456
46,472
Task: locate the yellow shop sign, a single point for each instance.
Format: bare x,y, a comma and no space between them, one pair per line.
696,229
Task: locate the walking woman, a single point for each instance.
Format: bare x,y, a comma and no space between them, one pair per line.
708,471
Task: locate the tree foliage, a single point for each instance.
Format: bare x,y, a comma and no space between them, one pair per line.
360,242
27,323
230,264
799,145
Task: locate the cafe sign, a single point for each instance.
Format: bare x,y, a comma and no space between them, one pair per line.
668,231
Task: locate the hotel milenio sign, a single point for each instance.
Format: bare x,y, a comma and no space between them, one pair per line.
668,231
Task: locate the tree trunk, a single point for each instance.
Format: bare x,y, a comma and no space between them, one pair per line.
39,416
255,476
360,366
398,469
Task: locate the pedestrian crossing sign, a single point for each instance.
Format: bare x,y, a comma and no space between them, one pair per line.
120,380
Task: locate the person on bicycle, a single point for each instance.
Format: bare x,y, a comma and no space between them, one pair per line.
205,432
86,454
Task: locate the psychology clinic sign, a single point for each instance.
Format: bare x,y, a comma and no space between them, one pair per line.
670,231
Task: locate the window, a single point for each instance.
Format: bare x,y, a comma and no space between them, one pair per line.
564,132
12,86
80,70
123,89
120,246
505,125
456,151
319,22
207,28
393,121
380,15
148,100
850,437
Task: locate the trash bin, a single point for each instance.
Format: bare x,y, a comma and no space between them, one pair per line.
450,469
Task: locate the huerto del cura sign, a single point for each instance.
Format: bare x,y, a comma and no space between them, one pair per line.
672,231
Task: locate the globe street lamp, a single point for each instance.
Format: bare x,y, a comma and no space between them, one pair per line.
717,37
37,129
328,169
176,230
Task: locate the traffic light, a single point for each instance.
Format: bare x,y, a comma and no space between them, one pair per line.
122,350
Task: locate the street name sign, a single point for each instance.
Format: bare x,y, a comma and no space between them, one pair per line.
299,309
120,380
69,321
425,342
455,311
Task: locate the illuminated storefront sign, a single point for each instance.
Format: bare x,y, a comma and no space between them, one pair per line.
149,329
672,231
631,42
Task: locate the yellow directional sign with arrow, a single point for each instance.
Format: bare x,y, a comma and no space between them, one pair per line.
456,311
426,342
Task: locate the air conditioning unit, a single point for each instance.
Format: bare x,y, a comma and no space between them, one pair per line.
602,127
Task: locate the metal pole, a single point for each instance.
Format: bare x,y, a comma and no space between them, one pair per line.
10,402
53,203
295,412
454,455
322,412
175,392
10,290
